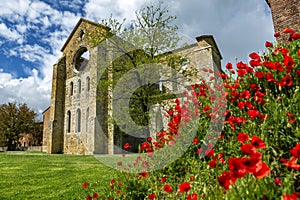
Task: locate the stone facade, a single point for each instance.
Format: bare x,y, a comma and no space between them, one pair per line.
77,121
285,14
46,119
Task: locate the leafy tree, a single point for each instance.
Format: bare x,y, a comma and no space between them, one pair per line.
15,119
150,36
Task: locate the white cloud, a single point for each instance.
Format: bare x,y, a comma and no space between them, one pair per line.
9,8
98,10
31,90
32,53
9,34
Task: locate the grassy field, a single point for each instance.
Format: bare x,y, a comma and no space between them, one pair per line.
26,175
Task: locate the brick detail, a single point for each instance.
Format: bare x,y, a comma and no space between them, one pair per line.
285,14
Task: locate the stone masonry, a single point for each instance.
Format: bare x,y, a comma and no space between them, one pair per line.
285,14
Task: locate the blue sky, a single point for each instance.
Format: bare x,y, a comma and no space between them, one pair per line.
32,33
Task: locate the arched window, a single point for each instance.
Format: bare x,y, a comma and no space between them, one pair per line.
71,88
81,35
68,121
79,86
88,83
78,120
87,119
81,59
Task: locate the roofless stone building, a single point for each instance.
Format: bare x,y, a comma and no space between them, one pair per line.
77,121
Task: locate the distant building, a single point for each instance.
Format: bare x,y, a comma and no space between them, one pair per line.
77,121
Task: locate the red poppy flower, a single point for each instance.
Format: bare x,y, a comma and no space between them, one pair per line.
257,155
192,197
264,171
226,180
270,77
249,105
260,75
152,196
242,137
119,163
284,51
206,108
269,65
245,94
195,141
288,30
242,72
88,197
248,149
112,181
255,63
252,164
184,187
163,180
257,142
95,195
85,185
293,196
259,94
229,66
296,151
254,86
213,163
236,167
168,188
295,36
285,81
289,63
277,34
253,113
127,146
222,75
292,163
241,105
220,158
278,67
289,114
145,145
254,56
268,44
277,181
144,174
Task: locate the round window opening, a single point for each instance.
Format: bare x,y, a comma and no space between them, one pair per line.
81,59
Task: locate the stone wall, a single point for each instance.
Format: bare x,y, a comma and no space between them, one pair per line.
46,119
81,89
285,14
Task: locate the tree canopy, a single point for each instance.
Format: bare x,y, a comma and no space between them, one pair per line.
15,119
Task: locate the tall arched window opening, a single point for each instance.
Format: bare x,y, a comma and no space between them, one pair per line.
68,121
78,120
79,86
87,119
88,84
71,88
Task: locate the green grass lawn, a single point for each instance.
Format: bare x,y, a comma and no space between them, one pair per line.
25,175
